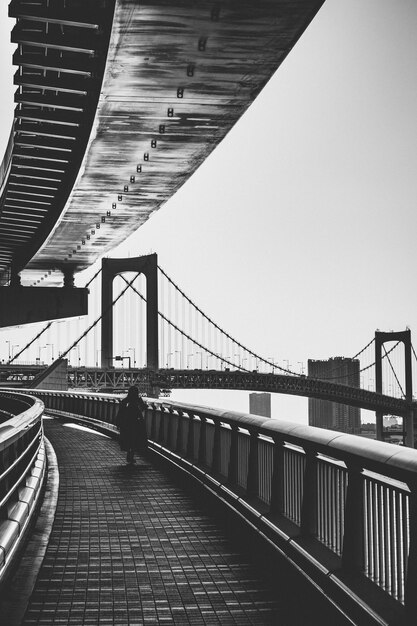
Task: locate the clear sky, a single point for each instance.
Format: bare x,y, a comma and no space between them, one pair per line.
297,234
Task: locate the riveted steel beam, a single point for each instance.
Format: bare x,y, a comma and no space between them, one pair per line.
82,17
55,62
71,41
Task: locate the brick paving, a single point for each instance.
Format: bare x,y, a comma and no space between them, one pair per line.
129,547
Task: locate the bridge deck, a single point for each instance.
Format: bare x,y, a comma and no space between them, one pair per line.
130,546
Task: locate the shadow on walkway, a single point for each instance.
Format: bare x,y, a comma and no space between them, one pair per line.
130,546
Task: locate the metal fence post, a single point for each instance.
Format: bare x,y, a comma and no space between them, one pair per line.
178,444
153,422
202,456
353,536
308,524
277,482
253,468
170,425
410,595
233,459
190,437
215,463
161,425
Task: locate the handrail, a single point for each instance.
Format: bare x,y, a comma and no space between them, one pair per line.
341,507
23,464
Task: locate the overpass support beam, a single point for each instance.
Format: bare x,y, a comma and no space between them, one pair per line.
25,305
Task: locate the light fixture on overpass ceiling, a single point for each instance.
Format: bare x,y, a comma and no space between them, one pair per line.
180,92
202,42
161,129
146,156
113,206
215,13
170,112
120,198
153,143
126,189
132,179
103,219
190,70
138,169
108,214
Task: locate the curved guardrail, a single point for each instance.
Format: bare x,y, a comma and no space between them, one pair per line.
341,508
22,470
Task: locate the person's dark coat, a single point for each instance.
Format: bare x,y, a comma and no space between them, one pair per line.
131,423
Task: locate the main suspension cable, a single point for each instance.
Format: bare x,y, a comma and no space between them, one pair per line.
183,333
273,365
64,354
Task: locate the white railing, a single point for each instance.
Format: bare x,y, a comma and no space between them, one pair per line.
342,504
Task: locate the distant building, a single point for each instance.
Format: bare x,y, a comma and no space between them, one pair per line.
260,404
327,414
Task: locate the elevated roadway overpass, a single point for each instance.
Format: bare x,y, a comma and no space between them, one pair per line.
117,104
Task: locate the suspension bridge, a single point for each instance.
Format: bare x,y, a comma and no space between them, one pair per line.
128,339
329,511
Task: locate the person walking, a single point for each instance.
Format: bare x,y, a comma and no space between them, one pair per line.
131,424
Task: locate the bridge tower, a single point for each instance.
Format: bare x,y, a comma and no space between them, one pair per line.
405,337
110,268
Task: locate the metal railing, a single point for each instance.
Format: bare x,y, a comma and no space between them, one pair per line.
22,470
340,503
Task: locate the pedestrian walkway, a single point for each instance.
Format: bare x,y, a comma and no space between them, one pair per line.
129,547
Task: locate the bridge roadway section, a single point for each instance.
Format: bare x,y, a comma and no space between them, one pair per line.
132,545
97,378
94,378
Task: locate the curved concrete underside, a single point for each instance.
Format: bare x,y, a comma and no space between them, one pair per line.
179,75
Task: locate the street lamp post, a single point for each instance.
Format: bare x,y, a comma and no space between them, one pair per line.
180,353
168,355
134,355
77,348
271,359
188,357
9,342
201,362
15,346
52,350
223,362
